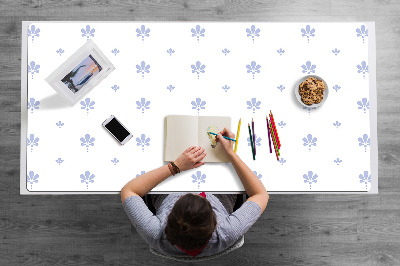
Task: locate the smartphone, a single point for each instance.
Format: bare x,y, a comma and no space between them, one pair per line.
117,129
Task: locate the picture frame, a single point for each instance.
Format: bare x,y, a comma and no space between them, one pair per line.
80,73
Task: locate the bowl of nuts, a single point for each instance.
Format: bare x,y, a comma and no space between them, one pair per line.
311,91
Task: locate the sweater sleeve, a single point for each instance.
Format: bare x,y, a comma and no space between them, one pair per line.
146,223
238,223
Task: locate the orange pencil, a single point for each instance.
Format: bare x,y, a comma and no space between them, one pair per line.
276,131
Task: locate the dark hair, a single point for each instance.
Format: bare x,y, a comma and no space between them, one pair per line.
191,222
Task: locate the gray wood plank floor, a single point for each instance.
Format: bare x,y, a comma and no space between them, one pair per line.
294,230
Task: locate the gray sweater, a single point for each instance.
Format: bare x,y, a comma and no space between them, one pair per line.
229,227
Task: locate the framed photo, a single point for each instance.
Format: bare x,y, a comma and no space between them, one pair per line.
80,73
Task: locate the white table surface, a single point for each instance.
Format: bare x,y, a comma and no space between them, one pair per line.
174,69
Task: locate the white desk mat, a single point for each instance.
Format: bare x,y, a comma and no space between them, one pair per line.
324,149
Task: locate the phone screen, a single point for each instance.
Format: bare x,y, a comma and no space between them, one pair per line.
117,129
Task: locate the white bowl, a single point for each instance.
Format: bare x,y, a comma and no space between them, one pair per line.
296,91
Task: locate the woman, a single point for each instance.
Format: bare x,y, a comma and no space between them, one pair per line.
188,224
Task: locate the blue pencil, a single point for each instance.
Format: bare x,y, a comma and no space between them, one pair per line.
222,136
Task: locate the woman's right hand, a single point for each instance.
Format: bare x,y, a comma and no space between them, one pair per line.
226,144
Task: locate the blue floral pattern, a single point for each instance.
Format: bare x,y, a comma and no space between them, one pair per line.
253,68
365,178
170,88
198,178
308,68
198,32
337,124
33,32
257,175
143,141
337,161
282,161
362,68
336,87
87,104
170,51
258,140
143,104
308,32
143,68
362,32
225,51
335,51
32,141
363,104
59,161
115,51
88,32
364,141
143,32
198,68
60,51
115,88
253,104
281,87
309,141
141,173
33,68
32,178
87,178
33,104
59,124
87,141
226,88
198,104
310,178
280,51
253,32
115,161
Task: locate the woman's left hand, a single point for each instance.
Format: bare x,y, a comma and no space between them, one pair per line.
190,158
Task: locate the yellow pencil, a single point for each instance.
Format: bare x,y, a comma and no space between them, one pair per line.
237,135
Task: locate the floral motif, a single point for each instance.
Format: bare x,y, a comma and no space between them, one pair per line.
33,32
33,104
281,87
225,51
60,51
59,161
310,178
32,141
87,141
363,104
170,51
336,87
257,175
143,68
115,161
87,104
143,104
198,104
335,51
59,124
142,141
141,173
280,51
32,178
88,32
308,67
115,51
198,178
253,104
115,88
281,124
282,161
337,161
258,140
362,32
87,178
362,68
337,124
308,32
198,32
226,88
33,68
364,141
143,32
310,141
365,179
170,88
198,68
253,68
253,32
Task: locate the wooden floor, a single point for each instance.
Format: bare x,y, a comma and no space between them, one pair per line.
294,230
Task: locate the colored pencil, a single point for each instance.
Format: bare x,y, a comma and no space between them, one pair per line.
269,137
254,136
237,135
274,131
222,136
251,142
273,141
279,142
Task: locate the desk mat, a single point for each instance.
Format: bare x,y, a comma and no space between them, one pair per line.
242,70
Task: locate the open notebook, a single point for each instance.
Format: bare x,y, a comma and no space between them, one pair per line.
183,131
